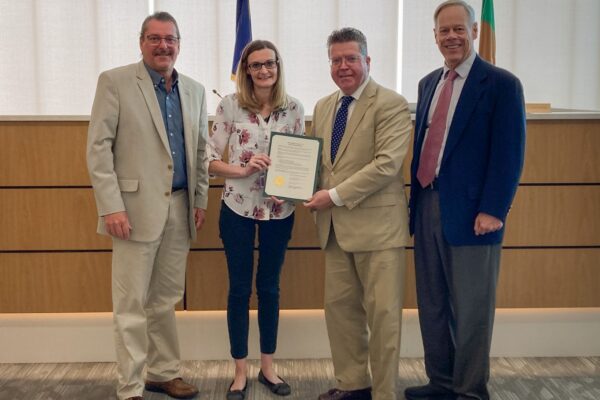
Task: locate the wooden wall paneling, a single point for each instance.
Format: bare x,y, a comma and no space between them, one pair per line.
410,289
304,233
538,278
554,216
53,154
48,153
562,151
302,281
80,282
59,219
43,153
208,236
49,219
206,281
55,282
549,278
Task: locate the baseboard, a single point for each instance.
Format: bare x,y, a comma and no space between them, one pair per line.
87,337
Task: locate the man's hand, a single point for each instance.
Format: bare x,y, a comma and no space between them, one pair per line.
485,223
117,225
319,201
199,216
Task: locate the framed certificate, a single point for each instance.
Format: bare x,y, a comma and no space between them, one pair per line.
295,162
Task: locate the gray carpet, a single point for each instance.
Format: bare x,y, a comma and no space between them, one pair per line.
512,379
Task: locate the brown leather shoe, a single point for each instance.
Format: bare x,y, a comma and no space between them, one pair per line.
176,388
337,394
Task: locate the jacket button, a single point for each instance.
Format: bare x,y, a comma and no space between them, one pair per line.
169,167
167,194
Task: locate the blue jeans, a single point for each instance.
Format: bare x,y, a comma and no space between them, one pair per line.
237,234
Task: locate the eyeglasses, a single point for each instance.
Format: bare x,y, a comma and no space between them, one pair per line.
155,40
350,60
257,66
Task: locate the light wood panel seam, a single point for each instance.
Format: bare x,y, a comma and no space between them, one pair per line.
205,249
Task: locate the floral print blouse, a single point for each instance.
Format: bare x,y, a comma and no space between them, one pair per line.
244,133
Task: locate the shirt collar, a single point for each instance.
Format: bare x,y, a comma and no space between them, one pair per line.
358,91
158,80
465,67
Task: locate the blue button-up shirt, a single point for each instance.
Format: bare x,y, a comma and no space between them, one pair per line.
170,107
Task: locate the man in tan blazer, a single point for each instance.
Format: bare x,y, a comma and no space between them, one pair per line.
146,159
362,221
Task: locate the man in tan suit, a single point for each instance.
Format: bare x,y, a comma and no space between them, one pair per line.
146,159
361,216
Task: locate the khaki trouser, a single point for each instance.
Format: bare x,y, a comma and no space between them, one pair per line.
363,311
148,279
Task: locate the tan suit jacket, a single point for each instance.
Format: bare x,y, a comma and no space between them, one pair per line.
128,154
367,172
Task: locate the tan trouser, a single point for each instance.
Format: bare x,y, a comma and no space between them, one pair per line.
363,311
148,279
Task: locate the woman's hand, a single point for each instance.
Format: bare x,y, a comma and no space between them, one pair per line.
258,162
277,200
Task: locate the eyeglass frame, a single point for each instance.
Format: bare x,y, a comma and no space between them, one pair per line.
257,66
155,40
351,59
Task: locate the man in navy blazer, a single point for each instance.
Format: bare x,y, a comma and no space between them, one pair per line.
458,217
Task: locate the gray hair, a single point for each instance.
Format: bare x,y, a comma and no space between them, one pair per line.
470,11
162,16
345,35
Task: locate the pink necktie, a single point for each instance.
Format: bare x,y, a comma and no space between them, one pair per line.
435,136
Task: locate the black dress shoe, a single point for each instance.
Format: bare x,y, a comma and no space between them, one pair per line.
280,389
429,391
337,394
237,394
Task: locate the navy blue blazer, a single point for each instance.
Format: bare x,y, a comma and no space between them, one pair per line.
483,157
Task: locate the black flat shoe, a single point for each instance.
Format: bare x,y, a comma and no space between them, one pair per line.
280,389
237,394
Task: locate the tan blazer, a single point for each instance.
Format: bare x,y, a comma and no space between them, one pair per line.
367,172
128,155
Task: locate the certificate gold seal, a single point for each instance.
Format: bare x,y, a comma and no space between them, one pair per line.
279,180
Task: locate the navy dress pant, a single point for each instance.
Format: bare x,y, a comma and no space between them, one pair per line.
238,235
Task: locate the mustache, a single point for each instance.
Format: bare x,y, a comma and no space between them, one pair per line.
162,52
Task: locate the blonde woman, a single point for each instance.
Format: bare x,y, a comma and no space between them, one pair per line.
242,127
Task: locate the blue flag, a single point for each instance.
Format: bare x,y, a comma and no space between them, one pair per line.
243,32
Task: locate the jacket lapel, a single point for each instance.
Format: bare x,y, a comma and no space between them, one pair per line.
423,106
188,133
469,97
147,88
326,127
428,91
362,104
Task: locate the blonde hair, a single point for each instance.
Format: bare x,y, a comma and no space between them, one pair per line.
245,85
